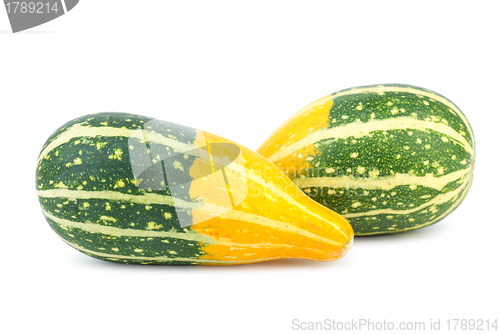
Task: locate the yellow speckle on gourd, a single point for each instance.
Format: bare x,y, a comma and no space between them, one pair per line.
119,184
178,165
100,145
374,173
154,226
117,155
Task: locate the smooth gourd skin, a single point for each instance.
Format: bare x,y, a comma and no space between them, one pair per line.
100,182
389,158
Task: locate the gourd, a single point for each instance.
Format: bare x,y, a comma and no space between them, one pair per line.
132,189
389,158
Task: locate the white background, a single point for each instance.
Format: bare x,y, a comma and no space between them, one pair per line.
239,69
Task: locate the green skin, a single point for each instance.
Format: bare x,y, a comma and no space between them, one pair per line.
98,172
379,151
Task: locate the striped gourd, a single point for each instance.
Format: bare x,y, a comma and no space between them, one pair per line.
389,158
132,189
